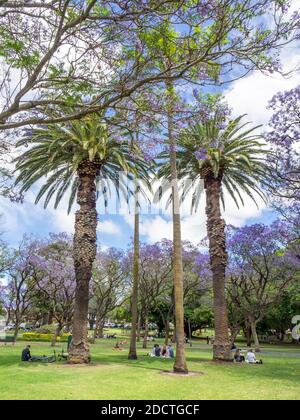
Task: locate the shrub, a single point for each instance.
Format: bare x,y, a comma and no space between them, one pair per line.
34,336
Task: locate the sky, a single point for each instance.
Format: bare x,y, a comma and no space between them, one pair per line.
249,95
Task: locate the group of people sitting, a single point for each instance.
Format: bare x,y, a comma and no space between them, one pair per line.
250,357
163,351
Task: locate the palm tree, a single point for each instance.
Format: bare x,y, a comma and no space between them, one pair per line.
132,355
180,365
139,190
228,158
78,157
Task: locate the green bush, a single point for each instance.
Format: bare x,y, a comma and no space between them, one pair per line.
34,336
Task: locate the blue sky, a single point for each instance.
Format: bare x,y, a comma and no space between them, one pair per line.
249,95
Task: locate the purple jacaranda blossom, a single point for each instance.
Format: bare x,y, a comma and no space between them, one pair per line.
201,154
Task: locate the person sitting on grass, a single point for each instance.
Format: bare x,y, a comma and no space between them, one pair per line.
171,352
118,347
152,354
251,358
238,358
26,356
164,351
157,351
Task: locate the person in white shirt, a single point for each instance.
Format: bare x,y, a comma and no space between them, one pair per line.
152,354
251,358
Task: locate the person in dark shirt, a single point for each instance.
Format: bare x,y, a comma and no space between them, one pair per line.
26,356
157,351
171,352
238,357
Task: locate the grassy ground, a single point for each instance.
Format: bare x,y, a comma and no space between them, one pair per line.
112,376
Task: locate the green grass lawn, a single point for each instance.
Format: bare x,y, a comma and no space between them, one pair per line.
112,376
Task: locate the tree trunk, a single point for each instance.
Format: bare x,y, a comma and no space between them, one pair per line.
138,333
134,299
85,249
50,318
16,330
180,365
145,341
254,335
234,335
174,334
56,334
98,331
218,258
167,332
248,335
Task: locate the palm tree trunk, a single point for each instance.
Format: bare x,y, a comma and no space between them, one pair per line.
138,333
218,257
85,248
134,299
180,365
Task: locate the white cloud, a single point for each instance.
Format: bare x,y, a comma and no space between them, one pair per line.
239,216
109,227
251,95
157,228
193,226
62,221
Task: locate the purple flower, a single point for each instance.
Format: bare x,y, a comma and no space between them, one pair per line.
201,154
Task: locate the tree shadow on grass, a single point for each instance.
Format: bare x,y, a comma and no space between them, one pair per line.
143,361
270,370
10,360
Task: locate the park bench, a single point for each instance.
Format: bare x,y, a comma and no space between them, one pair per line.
6,340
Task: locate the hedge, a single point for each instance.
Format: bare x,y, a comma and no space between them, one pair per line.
33,336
